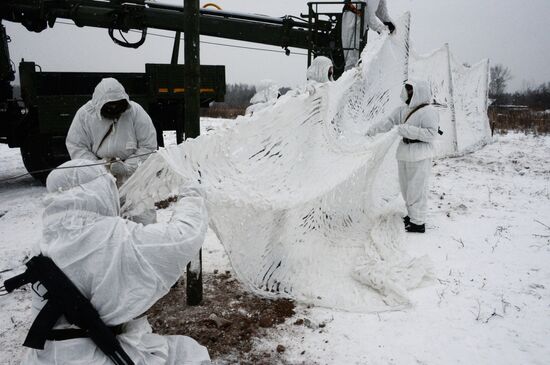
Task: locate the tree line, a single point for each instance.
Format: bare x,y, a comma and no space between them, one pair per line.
524,111
237,99
535,98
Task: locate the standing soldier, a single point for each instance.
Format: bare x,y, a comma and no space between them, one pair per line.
418,123
376,17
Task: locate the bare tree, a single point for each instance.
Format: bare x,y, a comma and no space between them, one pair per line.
500,75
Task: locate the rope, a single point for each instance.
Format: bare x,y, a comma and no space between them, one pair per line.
70,167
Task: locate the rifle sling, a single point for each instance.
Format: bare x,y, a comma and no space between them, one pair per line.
72,333
407,140
414,111
104,137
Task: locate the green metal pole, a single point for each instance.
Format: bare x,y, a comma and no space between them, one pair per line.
192,68
192,121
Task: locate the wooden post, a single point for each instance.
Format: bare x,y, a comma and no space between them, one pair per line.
192,121
452,99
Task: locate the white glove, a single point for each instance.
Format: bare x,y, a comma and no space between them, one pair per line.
401,130
310,88
192,190
119,168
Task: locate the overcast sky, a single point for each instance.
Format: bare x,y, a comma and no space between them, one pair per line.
512,32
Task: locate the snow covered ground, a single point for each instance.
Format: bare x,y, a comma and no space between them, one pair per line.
488,237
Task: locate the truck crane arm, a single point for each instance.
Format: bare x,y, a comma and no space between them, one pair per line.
37,15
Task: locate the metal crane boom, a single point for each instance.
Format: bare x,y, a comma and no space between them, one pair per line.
37,15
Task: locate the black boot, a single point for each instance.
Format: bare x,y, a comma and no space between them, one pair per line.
406,221
418,228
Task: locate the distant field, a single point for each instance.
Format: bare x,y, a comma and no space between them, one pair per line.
519,119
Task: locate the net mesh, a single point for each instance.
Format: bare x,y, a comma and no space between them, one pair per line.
304,204
471,87
461,94
434,68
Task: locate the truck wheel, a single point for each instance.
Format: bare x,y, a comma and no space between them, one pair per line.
42,152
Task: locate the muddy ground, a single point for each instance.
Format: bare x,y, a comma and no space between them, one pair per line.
227,322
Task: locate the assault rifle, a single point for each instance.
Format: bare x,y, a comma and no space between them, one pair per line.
64,299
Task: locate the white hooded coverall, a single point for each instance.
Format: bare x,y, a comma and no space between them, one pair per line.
267,93
415,159
122,267
319,68
376,14
93,137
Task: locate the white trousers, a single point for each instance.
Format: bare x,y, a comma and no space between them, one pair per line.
351,26
413,180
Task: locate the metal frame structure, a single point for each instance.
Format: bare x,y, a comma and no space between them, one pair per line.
325,24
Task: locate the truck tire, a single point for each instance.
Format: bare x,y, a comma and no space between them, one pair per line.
43,152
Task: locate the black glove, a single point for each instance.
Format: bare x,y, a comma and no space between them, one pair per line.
390,26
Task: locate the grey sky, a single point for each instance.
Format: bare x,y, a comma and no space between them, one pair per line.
512,32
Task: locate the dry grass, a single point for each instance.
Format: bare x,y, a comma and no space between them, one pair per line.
502,120
524,120
223,111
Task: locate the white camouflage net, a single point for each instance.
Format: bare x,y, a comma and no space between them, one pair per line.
302,201
471,88
462,93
